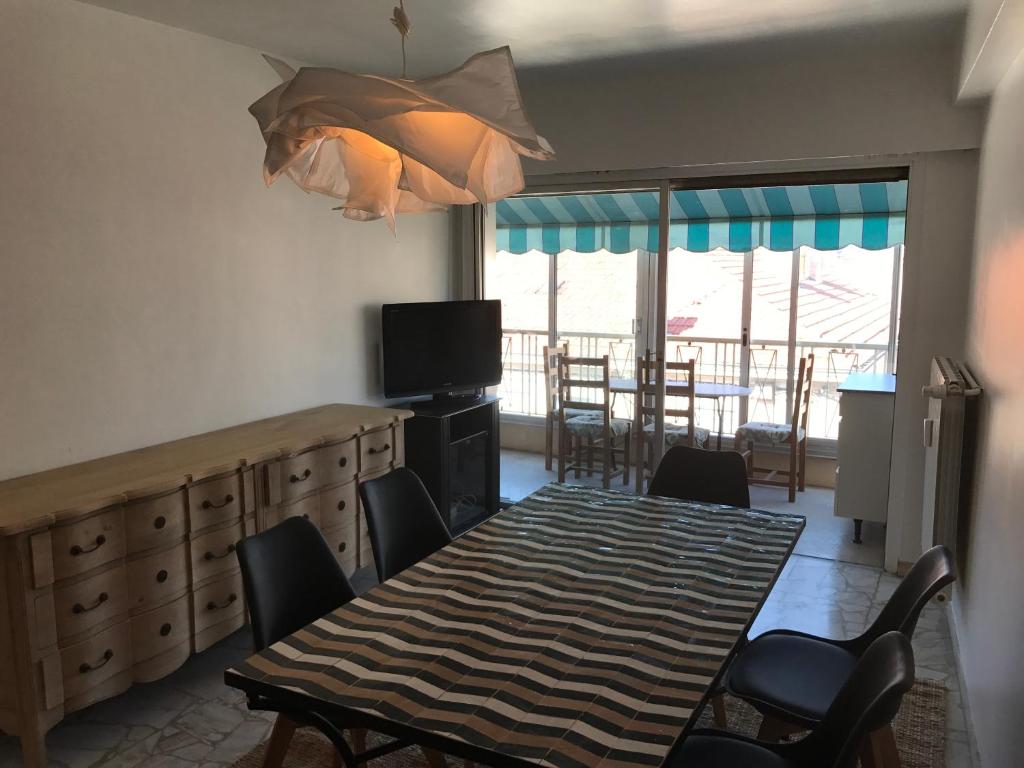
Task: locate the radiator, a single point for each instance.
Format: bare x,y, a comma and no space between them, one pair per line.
947,433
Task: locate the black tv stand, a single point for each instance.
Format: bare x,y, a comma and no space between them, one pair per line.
452,443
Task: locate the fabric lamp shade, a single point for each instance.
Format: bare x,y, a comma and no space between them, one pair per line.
385,145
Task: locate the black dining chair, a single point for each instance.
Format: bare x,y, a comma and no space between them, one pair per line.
692,474
792,678
404,524
867,702
291,579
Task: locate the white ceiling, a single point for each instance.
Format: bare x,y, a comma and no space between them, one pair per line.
356,34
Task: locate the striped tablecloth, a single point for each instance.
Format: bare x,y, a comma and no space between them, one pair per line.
581,627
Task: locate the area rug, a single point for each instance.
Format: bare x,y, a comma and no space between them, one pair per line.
920,729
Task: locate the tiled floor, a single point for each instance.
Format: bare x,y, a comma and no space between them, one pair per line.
826,535
192,720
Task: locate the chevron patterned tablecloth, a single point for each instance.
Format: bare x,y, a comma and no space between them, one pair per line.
580,627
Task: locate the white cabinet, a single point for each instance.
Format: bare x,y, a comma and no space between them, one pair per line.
865,447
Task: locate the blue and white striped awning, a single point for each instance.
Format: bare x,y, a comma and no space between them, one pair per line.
823,216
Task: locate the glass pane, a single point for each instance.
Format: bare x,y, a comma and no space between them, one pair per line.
769,335
844,315
520,280
704,318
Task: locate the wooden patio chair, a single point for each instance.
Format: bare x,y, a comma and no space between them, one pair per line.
680,403
594,428
551,355
793,435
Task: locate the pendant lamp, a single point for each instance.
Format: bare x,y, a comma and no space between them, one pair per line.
383,145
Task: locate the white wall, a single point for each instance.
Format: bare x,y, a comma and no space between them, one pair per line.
150,285
989,608
853,100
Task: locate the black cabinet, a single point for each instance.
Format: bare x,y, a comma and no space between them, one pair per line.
453,446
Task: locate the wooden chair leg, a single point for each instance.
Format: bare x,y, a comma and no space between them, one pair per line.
882,747
579,455
606,469
803,465
562,445
626,456
590,457
358,739
434,758
792,472
549,437
280,739
718,710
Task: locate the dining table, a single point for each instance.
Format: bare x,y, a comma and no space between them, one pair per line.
708,390
578,627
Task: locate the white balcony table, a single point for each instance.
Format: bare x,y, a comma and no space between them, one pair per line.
707,390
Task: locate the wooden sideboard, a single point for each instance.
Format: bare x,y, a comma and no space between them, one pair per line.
115,571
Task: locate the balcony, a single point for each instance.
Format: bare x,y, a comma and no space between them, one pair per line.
717,360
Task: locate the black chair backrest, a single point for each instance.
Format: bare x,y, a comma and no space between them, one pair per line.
934,570
693,474
868,701
291,579
404,524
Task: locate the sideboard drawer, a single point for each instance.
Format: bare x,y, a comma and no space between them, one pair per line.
342,542
339,462
160,629
376,450
88,543
216,603
308,508
155,521
155,578
338,506
214,501
300,474
91,662
90,602
214,553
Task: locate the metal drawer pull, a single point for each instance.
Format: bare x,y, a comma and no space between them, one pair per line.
79,608
383,449
165,630
161,576
160,522
341,505
211,505
77,550
211,556
212,606
343,546
107,656
343,461
299,478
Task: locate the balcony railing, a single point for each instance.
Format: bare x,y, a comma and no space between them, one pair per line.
523,388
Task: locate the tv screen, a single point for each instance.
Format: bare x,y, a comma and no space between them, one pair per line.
443,346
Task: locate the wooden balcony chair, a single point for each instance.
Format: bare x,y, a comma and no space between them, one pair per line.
592,428
551,400
793,435
680,407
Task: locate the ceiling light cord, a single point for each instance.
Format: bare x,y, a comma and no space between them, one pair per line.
401,21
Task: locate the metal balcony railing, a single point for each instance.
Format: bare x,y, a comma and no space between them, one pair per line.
717,360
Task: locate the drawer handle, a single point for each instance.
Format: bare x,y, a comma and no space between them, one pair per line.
211,556
165,630
343,461
85,668
299,478
77,550
343,546
383,449
160,522
213,505
79,608
212,606
341,505
161,577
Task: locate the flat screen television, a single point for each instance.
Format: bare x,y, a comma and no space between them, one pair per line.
440,347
